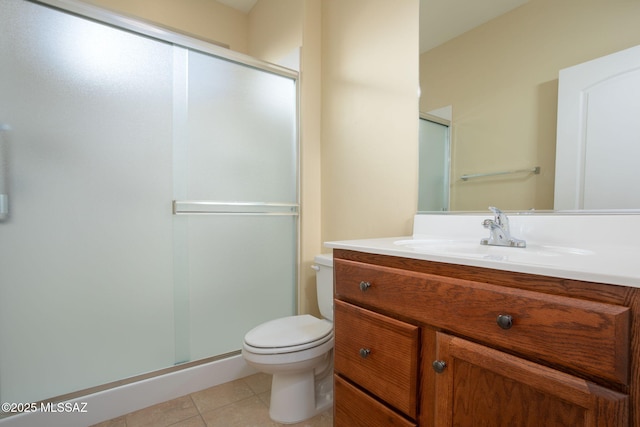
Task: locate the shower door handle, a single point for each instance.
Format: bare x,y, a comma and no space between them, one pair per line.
4,172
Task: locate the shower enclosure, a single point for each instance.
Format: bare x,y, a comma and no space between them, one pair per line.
434,143
150,198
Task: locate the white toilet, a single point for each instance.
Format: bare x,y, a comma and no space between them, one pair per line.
298,352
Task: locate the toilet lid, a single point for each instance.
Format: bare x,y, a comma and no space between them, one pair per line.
288,331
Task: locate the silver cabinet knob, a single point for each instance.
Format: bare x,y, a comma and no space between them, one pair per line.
364,286
364,352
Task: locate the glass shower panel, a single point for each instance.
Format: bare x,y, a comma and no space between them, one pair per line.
241,178
433,186
241,133
86,253
246,262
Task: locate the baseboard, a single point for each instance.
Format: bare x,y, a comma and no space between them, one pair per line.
112,403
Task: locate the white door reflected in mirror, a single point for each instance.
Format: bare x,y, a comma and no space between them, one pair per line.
598,139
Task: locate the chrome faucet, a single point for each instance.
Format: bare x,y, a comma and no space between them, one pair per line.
500,235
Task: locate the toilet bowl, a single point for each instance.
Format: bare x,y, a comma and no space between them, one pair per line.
298,352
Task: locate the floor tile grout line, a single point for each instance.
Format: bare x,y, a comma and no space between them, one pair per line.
230,404
244,381
195,405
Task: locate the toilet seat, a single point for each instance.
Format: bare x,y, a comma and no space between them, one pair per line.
288,334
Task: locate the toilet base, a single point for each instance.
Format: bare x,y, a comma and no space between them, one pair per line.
300,396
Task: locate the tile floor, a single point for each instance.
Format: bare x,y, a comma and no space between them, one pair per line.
240,403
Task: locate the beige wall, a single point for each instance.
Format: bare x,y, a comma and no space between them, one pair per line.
359,105
502,81
204,19
310,152
359,111
369,117
275,29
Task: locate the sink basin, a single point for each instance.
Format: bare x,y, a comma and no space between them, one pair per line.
533,253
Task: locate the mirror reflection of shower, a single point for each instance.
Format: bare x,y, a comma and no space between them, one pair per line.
434,162
4,172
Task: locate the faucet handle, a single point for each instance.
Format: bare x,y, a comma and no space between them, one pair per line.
488,223
500,218
496,212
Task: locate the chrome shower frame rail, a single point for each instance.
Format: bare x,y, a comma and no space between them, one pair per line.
201,207
171,35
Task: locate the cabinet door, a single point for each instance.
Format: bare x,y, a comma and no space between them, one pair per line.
479,386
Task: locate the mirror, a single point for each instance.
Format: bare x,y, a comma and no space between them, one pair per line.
501,81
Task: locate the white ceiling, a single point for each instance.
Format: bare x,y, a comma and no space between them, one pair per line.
241,5
440,20
443,20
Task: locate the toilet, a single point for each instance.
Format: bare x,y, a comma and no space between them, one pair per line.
298,352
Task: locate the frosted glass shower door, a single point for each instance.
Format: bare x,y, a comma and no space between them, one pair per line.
433,188
236,204
86,275
102,277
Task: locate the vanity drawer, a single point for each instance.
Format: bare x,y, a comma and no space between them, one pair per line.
354,408
582,335
378,353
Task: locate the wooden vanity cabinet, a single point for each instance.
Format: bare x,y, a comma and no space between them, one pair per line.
433,344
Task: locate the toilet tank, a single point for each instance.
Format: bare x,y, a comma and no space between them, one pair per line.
324,284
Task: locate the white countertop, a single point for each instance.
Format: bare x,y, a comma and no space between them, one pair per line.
571,252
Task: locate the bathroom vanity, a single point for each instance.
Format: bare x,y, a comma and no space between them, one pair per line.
425,339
